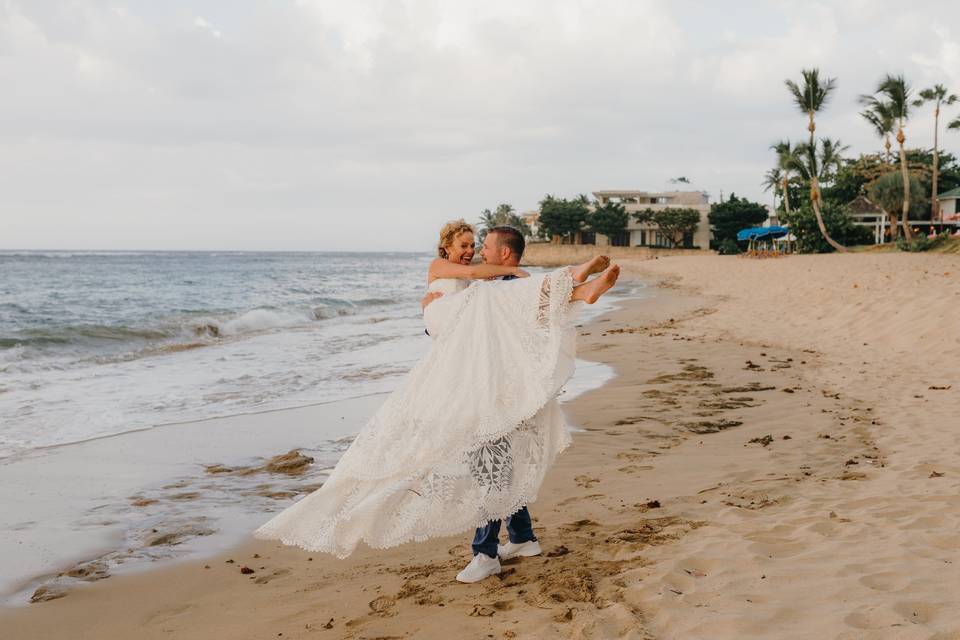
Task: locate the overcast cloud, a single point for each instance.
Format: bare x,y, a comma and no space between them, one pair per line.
319,125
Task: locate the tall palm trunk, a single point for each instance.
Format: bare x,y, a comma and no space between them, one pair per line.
905,212
892,216
934,202
815,193
786,192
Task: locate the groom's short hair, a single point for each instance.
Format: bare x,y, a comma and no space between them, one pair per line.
511,237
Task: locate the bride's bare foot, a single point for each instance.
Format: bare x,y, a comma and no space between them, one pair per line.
591,291
590,267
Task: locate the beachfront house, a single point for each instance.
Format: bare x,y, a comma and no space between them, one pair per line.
532,219
948,204
647,234
865,213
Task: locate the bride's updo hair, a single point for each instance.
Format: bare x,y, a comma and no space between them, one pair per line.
450,231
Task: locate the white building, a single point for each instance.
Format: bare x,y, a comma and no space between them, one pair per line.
532,219
646,234
948,204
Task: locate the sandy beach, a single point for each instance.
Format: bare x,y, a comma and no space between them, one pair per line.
777,457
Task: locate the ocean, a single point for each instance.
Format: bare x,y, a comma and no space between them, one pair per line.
100,343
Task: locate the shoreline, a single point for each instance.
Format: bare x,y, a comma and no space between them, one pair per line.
742,476
251,548
176,484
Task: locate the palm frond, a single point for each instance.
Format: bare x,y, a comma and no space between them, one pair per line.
897,92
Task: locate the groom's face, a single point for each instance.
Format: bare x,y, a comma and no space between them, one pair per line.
492,251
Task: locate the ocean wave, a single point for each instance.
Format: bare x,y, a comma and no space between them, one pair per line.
81,333
63,347
263,319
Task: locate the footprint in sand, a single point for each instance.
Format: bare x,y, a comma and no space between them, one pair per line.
585,481
276,573
916,611
873,618
382,606
885,581
167,613
634,468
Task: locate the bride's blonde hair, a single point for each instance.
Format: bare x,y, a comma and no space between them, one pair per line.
449,232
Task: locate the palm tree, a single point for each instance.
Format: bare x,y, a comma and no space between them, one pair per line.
938,95
488,220
504,214
880,115
897,93
817,163
773,179
810,98
830,158
784,154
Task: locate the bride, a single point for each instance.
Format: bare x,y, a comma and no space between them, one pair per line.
468,435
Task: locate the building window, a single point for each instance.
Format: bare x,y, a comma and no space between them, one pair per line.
621,239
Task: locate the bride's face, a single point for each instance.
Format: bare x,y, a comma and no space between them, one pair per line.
461,249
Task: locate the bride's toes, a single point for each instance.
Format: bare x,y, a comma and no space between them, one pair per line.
595,265
598,264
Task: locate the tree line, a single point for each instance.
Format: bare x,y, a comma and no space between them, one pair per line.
562,219
813,182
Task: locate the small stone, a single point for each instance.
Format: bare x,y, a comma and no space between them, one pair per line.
48,592
246,570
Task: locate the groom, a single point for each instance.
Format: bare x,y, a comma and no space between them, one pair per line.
502,246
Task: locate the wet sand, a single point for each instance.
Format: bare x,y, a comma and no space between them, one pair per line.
777,457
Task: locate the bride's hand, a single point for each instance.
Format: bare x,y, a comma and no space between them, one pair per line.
522,274
430,297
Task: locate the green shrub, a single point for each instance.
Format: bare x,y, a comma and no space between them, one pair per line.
728,247
803,224
922,243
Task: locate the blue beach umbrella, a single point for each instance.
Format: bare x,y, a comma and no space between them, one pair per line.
762,233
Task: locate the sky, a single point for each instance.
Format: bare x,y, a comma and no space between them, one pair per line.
365,125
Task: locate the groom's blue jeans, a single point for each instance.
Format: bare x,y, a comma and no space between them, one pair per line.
519,528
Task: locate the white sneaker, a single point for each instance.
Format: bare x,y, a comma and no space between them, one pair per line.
480,567
521,549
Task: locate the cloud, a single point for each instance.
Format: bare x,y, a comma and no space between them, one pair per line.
306,124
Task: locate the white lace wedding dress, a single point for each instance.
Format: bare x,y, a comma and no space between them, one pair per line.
467,436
